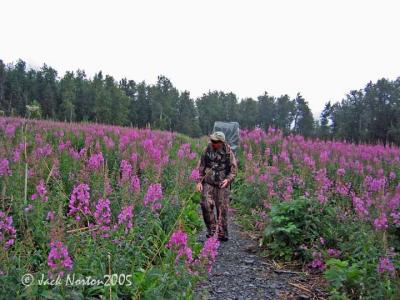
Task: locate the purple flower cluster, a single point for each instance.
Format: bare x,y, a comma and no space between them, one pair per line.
58,259
10,130
125,218
359,206
102,216
5,168
40,192
50,215
381,222
7,231
153,195
108,142
386,266
209,251
79,201
44,151
95,161
340,172
318,261
195,175
323,184
134,157
184,151
17,152
135,183
334,252
64,145
126,171
178,241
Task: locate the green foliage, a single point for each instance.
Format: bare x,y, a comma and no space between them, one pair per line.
342,277
295,223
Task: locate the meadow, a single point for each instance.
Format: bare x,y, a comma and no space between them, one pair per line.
98,211
332,206
91,211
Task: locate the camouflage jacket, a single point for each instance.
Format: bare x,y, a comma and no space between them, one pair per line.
218,165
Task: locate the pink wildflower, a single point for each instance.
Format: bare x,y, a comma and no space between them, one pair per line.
4,168
209,251
7,231
125,218
79,201
153,194
195,175
95,161
386,266
58,259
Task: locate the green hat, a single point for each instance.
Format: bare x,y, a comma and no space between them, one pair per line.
218,136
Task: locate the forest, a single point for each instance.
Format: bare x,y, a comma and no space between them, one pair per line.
367,115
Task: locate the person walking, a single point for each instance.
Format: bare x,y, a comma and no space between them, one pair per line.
217,167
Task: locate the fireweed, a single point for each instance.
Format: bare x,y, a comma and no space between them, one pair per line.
178,243
153,195
359,183
84,160
40,192
209,252
79,201
194,175
102,217
126,171
5,168
58,259
125,218
95,161
7,231
135,184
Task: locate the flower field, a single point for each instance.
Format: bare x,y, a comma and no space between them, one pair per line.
333,206
91,211
111,211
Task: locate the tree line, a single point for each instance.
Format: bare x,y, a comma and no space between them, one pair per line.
367,115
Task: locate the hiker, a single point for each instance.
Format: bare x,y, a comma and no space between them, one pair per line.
217,167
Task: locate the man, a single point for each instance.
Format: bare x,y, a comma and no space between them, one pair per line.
217,168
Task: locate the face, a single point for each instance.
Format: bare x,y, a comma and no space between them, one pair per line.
216,145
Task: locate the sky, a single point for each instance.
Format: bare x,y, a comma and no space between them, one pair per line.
321,49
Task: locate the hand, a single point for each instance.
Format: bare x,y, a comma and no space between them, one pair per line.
199,187
224,183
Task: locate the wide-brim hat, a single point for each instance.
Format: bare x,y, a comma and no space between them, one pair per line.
217,136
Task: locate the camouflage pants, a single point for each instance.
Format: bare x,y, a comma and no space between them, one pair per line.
212,196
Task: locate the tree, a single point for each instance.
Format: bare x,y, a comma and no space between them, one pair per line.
2,85
68,97
47,87
303,118
266,111
371,114
324,130
15,93
144,115
129,87
248,111
164,104
284,113
187,122
118,102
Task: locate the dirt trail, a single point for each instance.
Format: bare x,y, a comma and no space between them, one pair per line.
240,273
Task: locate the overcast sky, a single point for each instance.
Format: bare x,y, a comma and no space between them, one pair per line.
322,49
